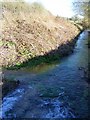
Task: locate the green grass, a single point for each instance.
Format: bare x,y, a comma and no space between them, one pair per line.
36,61
7,43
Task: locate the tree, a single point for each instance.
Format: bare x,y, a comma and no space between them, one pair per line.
83,8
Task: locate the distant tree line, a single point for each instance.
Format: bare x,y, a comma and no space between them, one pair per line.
82,8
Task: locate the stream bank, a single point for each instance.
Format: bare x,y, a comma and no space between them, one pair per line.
35,35
50,58
61,91
53,56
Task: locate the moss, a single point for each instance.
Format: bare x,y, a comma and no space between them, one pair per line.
48,59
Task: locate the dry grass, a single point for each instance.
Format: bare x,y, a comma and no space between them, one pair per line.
29,31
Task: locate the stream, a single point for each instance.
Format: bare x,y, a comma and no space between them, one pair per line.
57,90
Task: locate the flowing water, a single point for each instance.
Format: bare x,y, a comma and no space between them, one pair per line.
58,90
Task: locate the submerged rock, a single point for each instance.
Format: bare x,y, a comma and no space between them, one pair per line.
8,86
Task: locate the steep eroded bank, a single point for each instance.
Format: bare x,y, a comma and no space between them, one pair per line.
32,31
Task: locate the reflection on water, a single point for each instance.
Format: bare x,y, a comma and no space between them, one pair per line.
40,68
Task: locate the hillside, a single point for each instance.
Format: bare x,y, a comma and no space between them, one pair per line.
30,30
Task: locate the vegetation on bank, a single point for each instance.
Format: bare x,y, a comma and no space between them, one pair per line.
32,36
21,6
82,9
32,33
49,58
